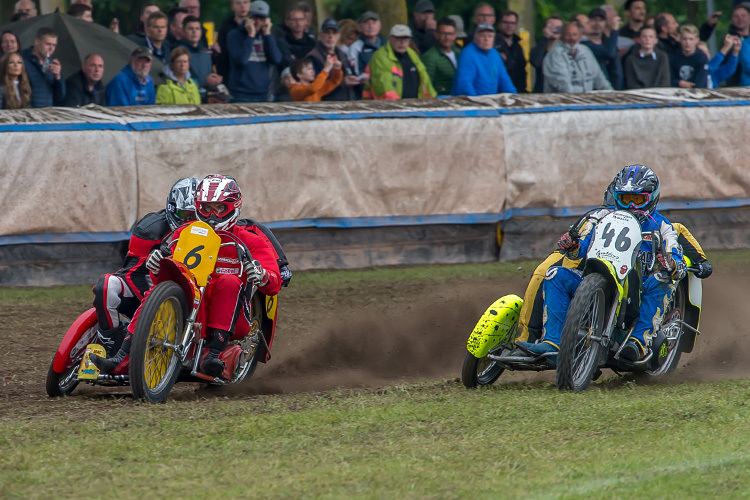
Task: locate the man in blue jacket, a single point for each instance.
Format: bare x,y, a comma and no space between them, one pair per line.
480,69
45,73
252,51
132,86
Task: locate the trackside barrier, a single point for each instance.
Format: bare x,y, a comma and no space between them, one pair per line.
72,176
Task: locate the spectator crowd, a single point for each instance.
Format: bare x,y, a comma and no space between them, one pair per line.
347,59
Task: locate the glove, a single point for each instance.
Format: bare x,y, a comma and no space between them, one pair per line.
704,269
566,243
673,270
666,262
255,272
152,264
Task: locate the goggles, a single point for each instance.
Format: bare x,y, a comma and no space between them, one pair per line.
217,207
185,215
632,200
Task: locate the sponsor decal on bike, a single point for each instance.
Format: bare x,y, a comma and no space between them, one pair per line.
226,270
88,370
664,350
228,260
623,269
200,231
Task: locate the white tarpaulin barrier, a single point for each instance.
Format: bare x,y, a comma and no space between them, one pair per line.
99,169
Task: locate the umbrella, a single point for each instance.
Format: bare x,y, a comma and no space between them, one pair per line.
76,39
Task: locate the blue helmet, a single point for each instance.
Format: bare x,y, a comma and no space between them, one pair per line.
635,187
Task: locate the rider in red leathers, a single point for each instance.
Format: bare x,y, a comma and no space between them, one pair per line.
218,201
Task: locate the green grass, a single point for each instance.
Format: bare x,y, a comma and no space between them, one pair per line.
617,440
429,440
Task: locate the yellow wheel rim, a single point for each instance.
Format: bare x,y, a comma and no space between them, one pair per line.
163,330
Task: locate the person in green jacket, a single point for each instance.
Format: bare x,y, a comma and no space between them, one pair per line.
441,60
395,70
180,88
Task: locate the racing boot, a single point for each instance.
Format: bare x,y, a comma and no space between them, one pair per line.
106,365
218,340
111,339
631,352
540,348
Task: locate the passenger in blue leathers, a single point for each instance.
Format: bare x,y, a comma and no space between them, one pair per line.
636,188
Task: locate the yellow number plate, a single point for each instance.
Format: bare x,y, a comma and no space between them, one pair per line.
198,248
271,306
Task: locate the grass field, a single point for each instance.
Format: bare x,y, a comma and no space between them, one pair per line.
623,438
425,440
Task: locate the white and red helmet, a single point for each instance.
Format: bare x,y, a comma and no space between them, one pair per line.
218,201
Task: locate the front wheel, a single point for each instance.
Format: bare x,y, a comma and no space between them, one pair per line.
580,343
480,371
154,364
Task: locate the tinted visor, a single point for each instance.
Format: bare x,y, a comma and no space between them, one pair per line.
632,200
217,207
185,215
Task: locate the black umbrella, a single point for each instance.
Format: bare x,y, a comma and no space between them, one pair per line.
76,39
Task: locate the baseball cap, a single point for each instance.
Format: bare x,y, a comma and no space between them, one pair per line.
597,12
401,31
424,6
460,29
143,52
368,15
329,24
484,27
259,8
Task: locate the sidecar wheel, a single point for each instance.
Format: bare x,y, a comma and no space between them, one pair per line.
579,354
480,371
154,367
61,384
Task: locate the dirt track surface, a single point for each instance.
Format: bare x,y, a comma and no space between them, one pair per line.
366,336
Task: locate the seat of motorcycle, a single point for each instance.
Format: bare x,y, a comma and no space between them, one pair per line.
282,261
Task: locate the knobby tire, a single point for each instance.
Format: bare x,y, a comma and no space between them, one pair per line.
589,298
162,293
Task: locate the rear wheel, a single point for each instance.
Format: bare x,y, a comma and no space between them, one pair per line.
248,362
674,331
154,364
580,346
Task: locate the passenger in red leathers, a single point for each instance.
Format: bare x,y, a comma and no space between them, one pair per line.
121,292
218,201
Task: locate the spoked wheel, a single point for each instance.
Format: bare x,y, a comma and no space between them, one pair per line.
481,371
249,360
673,329
62,384
154,364
580,345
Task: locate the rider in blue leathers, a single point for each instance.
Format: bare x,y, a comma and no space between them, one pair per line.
636,188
